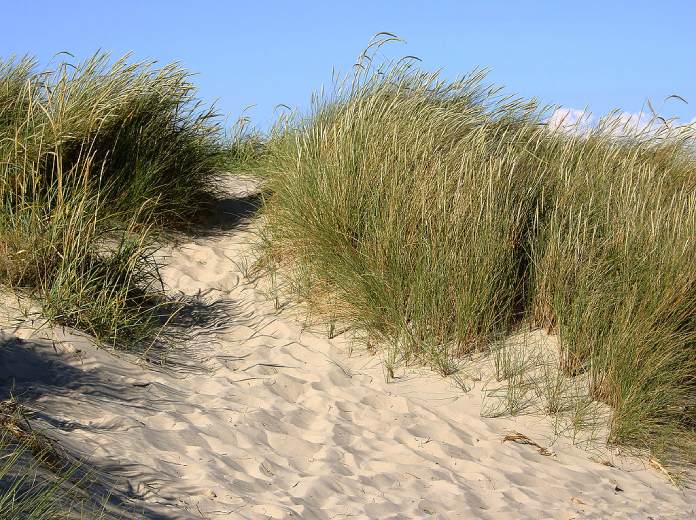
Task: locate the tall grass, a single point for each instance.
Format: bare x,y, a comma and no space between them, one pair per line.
138,129
380,191
436,216
615,277
93,157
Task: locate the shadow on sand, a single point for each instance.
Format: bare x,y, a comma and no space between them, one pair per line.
34,371
225,214
30,370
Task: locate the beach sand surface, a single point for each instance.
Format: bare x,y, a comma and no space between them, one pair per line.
255,415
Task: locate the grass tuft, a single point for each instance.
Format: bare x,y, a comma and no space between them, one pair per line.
37,482
95,157
438,216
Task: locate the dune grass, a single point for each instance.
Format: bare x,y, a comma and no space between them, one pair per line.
139,130
615,278
438,216
21,496
94,158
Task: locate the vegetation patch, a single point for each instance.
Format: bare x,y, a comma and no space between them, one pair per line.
94,159
438,216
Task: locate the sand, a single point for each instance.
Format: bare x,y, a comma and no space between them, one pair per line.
257,417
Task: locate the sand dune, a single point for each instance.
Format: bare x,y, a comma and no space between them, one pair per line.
259,418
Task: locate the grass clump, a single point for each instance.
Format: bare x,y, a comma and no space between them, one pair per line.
615,278
36,481
94,157
246,147
402,198
138,130
21,496
438,216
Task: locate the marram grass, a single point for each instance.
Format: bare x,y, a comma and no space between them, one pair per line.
94,157
37,481
438,216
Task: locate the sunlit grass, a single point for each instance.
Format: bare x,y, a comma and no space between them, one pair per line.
436,216
93,158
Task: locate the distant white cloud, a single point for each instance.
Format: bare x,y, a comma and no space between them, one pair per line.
570,120
631,122
576,121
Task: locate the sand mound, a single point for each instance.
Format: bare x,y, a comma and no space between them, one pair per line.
258,418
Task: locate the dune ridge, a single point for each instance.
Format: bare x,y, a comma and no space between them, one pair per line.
257,417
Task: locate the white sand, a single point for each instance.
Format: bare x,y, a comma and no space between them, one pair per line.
279,422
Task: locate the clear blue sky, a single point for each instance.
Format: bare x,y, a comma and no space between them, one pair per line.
603,55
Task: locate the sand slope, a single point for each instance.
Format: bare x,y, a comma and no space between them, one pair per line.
262,419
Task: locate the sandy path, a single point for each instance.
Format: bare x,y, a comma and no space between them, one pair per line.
279,422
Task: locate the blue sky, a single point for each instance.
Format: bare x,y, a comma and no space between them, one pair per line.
601,55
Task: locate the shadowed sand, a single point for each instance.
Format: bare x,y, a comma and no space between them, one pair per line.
259,418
